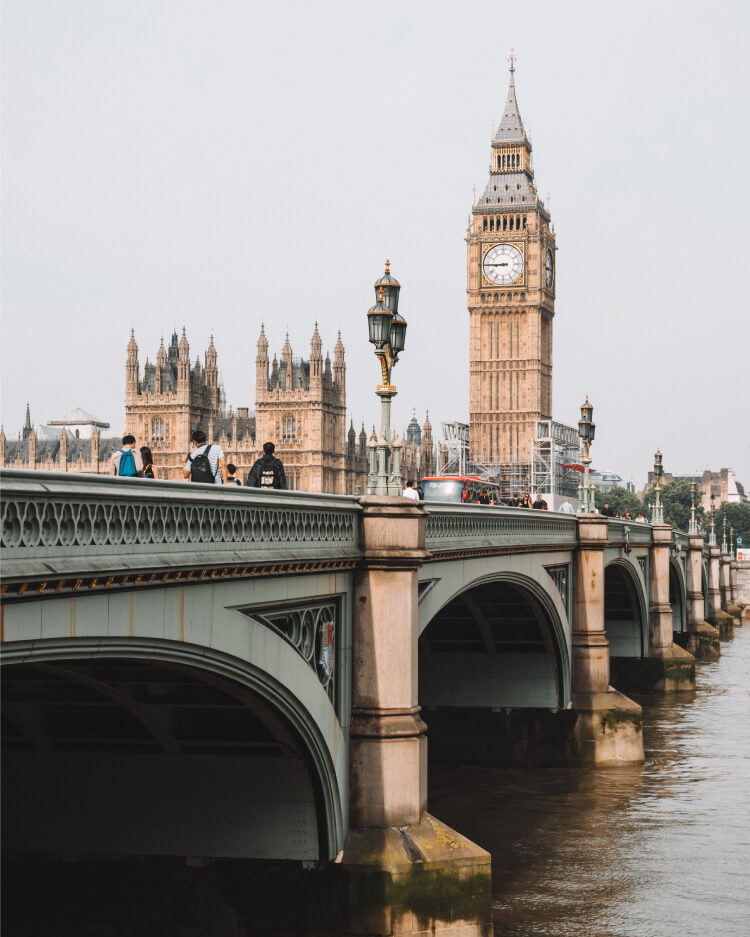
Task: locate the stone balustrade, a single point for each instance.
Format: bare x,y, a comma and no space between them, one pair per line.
55,525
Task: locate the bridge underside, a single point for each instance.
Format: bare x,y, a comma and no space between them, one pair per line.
490,647
624,614
490,677
128,757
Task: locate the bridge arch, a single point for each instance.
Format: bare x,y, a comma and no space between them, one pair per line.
625,609
501,640
678,596
257,711
704,587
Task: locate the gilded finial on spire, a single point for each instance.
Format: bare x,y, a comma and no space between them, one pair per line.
512,60
387,266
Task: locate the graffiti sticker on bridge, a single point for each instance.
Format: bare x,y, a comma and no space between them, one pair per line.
326,655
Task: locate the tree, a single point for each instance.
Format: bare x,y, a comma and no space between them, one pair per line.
675,499
738,516
619,499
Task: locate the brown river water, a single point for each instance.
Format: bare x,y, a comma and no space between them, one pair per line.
658,850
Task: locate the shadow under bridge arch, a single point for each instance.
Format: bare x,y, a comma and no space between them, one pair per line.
498,644
160,749
625,611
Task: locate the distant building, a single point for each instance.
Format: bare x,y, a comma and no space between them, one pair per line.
72,444
419,450
721,486
716,487
606,481
80,424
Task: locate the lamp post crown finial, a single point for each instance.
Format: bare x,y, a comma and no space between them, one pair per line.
387,266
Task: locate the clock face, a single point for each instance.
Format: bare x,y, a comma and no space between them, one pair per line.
548,268
503,264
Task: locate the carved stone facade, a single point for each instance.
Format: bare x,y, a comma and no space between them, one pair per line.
511,292
301,407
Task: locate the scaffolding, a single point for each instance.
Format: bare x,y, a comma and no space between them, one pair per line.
555,447
453,449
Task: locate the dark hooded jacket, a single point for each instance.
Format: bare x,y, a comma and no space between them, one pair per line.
267,464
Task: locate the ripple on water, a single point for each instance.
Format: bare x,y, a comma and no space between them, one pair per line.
658,850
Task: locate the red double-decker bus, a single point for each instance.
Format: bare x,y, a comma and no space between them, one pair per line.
459,489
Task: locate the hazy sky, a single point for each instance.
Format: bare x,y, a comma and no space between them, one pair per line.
216,164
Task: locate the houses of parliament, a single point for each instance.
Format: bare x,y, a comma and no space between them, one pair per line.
300,405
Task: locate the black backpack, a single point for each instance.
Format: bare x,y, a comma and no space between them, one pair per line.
200,467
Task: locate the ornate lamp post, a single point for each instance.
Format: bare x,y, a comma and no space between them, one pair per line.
388,334
586,430
724,547
693,526
712,535
732,544
657,514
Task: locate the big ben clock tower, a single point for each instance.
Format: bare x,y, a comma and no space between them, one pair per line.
511,298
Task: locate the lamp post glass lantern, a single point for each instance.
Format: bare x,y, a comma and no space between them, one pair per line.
657,514
712,535
586,431
693,527
387,332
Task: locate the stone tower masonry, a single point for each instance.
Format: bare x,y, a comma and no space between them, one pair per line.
511,293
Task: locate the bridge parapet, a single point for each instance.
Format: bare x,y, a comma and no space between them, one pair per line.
474,528
637,532
63,528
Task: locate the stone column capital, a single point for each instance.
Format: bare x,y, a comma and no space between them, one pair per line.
392,531
661,535
592,531
695,542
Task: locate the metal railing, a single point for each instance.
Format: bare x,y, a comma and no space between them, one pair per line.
451,528
62,524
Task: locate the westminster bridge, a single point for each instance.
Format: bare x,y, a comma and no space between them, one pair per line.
231,673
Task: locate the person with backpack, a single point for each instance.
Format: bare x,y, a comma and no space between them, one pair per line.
205,463
127,462
268,471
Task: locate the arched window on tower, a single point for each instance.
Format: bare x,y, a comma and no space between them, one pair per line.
157,429
492,224
288,428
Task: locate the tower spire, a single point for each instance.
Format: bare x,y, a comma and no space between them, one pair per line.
511,126
27,424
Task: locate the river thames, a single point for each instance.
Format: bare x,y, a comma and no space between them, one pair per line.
658,850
